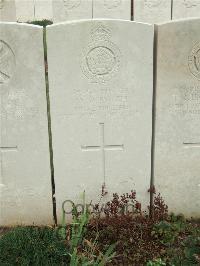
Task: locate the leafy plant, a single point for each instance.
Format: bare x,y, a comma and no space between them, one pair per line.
78,226
86,259
167,231
159,210
82,251
130,228
192,249
124,204
188,253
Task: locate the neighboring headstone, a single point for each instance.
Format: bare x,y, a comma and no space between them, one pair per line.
25,179
25,10
186,8
152,11
43,9
118,9
71,10
7,10
100,78
177,138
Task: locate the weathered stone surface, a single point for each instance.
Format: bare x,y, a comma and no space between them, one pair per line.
100,77
71,10
177,139
43,9
186,8
152,11
25,10
25,180
7,10
119,9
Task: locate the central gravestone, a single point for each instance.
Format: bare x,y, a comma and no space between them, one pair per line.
25,176
100,78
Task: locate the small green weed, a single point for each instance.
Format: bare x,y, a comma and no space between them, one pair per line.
167,231
187,253
42,23
82,251
157,262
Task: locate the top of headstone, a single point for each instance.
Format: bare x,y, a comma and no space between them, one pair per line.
71,22
20,24
181,20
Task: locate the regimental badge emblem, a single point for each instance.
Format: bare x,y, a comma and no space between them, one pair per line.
7,62
194,61
101,58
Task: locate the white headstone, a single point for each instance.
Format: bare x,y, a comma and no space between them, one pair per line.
100,77
186,8
71,10
152,11
25,10
118,9
43,10
177,139
25,180
7,10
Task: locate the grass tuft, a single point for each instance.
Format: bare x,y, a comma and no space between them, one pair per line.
32,246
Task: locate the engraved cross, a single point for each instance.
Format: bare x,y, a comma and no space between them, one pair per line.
103,148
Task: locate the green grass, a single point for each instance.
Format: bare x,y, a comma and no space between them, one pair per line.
47,246
33,246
